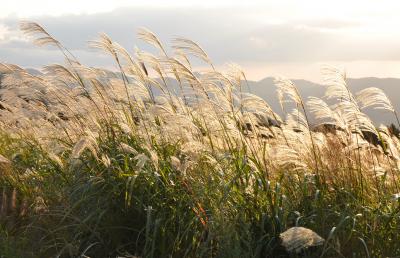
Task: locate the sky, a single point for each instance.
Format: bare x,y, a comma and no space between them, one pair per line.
288,38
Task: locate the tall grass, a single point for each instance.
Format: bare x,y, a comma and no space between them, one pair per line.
161,160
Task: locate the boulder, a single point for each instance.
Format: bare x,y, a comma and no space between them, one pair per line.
300,240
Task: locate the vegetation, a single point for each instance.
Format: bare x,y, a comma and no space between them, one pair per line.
133,166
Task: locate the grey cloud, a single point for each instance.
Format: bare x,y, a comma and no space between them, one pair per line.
227,34
37,57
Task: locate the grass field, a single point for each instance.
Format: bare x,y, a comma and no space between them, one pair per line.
131,166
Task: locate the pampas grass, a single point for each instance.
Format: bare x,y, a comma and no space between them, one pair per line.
162,160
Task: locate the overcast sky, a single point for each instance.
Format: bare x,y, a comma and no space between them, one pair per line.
266,38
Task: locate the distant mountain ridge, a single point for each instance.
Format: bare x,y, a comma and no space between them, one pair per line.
266,89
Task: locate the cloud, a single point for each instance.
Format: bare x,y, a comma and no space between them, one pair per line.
3,32
330,24
228,34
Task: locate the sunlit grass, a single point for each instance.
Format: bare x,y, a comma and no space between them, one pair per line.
166,161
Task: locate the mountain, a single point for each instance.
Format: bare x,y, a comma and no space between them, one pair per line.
33,71
266,89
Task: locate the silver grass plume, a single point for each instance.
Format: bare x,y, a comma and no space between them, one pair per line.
192,48
347,105
149,37
44,38
324,114
374,97
286,87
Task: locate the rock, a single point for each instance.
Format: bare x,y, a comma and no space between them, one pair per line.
297,240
